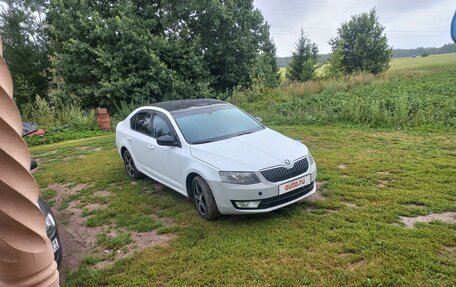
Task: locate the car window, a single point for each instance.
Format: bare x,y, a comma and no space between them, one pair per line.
214,123
142,123
160,127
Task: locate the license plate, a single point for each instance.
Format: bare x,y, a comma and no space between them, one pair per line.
294,184
55,245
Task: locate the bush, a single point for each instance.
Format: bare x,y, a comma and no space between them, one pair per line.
59,116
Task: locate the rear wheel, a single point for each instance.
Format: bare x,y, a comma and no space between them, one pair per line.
204,200
130,166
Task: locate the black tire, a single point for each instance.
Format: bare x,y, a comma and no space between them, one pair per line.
203,199
130,166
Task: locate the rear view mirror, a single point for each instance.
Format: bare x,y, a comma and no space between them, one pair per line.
259,119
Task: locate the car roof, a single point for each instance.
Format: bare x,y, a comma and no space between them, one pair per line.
179,105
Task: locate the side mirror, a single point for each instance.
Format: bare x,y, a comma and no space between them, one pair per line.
33,164
259,119
167,140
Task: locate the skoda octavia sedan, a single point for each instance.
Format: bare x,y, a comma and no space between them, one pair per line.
222,158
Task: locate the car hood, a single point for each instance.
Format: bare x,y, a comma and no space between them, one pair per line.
250,152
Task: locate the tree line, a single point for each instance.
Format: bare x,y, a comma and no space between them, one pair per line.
283,62
360,46
106,52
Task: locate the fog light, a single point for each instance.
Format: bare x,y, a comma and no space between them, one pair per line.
248,204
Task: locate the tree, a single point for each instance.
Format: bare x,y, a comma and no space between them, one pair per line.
22,25
302,65
266,71
361,45
106,52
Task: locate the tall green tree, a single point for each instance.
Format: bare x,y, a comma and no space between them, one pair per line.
22,27
266,72
231,34
361,45
105,52
302,65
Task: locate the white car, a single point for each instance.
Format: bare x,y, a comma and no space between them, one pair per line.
216,154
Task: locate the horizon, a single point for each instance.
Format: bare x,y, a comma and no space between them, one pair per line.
408,25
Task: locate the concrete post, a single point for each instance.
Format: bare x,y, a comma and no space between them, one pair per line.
26,257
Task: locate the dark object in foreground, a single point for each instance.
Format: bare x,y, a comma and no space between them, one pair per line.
453,28
52,230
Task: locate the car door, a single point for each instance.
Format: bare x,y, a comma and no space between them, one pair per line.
165,160
139,140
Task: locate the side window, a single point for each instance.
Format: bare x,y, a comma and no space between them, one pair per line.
160,127
142,123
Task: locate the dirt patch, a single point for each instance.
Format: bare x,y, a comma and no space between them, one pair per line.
49,153
64,190
158,186
79,240
413,205
357,264
448,217
383,172
317,195
146,239
349,204
102,193
83,148
139,241
382,183
96,149
342,166
95,206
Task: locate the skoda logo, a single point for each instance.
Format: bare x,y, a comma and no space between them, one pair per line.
287,162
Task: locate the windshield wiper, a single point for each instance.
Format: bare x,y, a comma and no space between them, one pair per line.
244,133
203,142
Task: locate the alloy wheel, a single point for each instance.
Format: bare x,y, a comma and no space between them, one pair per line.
200,199
129,167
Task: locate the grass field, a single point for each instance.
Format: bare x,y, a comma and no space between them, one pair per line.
384,214
416,92
352,236
408,63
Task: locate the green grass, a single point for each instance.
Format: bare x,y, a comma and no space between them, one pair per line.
409,95
432,61
325,243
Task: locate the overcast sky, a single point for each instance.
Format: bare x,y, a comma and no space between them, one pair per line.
409,23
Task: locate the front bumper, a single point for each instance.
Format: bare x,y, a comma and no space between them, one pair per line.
266,192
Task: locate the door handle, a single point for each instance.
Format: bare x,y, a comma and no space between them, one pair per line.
129,138
150,146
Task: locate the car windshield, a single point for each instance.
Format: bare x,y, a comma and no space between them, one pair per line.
214,123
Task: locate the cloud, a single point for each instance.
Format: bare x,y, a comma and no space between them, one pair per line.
409,24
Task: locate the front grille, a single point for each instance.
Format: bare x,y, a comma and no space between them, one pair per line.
282,173
283,198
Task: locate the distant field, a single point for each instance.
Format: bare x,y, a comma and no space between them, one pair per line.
408,63
423,62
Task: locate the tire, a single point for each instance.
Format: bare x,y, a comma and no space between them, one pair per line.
130,166
203,199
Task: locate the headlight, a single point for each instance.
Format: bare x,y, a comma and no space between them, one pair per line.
50,222
310,158
239,177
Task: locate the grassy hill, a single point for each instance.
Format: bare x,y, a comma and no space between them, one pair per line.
414,92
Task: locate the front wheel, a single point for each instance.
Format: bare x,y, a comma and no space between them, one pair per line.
130,166
204,200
